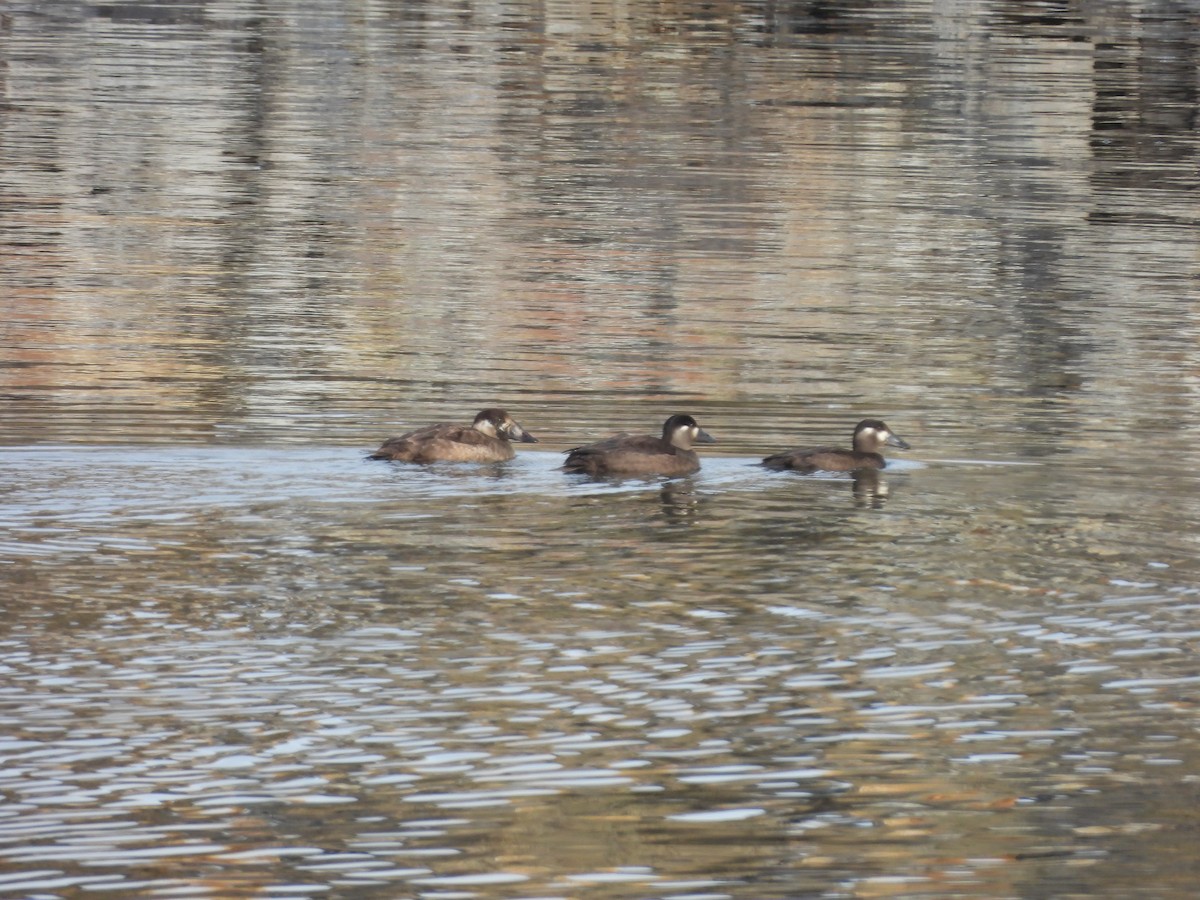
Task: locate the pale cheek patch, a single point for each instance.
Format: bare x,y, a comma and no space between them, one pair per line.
683,436
486,428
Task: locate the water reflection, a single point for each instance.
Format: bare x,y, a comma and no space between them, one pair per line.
680,500
869,488
810,182
242,243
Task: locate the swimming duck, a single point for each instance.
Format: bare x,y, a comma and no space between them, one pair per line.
870,436
484,440
643,454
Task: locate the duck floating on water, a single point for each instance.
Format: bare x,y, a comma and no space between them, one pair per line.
487,439
870,437
645,455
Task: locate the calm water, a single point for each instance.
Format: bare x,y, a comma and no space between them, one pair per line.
244,242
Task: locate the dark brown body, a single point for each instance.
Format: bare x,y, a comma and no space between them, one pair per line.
486,440
870,436
825,459
642,455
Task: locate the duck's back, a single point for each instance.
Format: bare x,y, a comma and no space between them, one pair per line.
824,459
445,443
627,454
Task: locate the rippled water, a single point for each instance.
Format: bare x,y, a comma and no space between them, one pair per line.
242,243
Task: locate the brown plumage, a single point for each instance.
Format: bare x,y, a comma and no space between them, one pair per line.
870,436
637,454
485,440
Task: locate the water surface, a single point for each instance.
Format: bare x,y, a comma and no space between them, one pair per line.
245,243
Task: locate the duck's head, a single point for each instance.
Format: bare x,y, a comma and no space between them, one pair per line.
872,435
498,423
682,431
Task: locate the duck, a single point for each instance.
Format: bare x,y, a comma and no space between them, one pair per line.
870,437
643,454
487,439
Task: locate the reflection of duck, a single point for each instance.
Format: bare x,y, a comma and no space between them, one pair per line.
484,440
870,436
629,454
870,489
679,500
